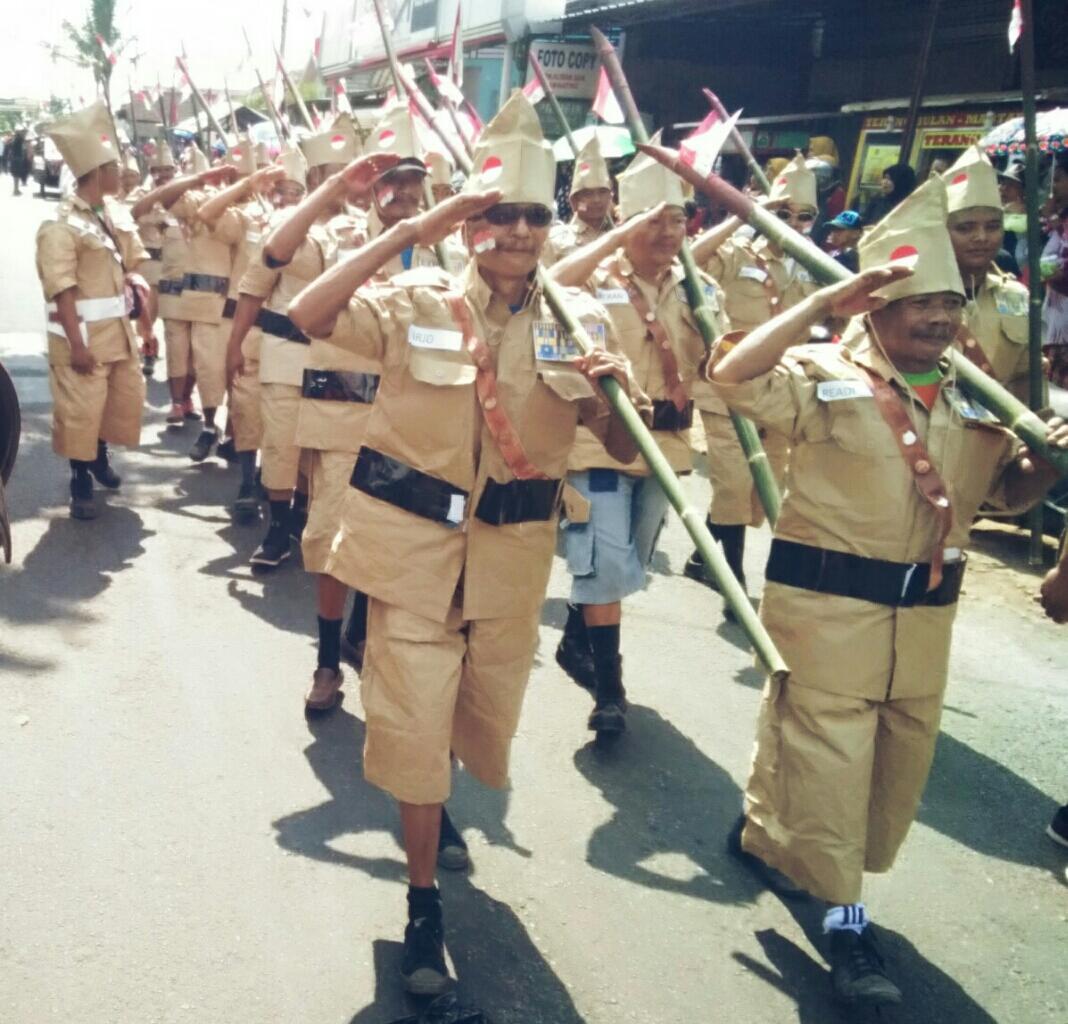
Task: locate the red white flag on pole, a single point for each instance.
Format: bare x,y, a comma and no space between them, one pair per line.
605,104
533,90
446,86
106,50
1015,25
701,148
341,91
455,71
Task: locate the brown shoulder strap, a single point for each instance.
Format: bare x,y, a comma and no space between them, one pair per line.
928,482
658,335
771,289
497,421
970,346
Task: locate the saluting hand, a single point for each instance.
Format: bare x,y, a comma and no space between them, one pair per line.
854,297
364,171
265,177
437,224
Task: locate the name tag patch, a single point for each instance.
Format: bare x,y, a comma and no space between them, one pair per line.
753,274
838,390
970,410
439,338
1011,303
613,296
553,344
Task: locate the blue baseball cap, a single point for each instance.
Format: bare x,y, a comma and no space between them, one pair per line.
847,219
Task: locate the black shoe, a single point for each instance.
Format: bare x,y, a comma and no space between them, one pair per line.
770,877
1057,829
574,656
226,450
104,474
423,963
609,715
247,503
275,548
82,503
452,850
858,971
203,445
148,368
694,569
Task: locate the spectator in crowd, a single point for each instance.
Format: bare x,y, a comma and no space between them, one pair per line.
898,181
1055,274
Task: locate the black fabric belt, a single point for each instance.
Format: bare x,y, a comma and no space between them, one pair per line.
170,287
280,326
410,489
229,308
898,584
667,417
340,386
206,283
519,501
154,254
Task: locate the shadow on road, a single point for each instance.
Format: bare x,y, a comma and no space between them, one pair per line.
497,965
669,798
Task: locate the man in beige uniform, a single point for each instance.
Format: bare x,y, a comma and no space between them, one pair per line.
86,263
633,272
995,315
889,463
759,281
450,521
591,201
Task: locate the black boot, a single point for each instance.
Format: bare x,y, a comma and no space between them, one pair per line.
275,547
858,971
573,653
423,962
100,467
695,564
610,701
452,850
355,635
732,540
82,504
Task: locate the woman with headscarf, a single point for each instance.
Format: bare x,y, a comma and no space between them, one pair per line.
898,181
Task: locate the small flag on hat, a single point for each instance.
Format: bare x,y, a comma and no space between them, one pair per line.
108,52
605,104
1015,25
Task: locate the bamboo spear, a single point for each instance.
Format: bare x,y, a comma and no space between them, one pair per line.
763,478
1024,423
550,95
449,107
280,128
298,99
729,587
736,137
212,119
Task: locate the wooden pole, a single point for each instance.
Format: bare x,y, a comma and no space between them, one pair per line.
543,81
908,135
297,98
736,137
199,98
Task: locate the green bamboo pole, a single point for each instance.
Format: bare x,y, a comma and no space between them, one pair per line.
1024,423
763,478
550,95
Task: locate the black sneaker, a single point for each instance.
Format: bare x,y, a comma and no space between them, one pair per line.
104,474
203,445
452,850
274,550
858,971
226,450
423,964
695,569
770,877
247,503
576,659
1057,829
609,715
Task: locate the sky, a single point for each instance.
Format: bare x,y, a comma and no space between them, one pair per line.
210,30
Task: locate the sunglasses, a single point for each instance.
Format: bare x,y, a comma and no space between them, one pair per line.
506,214
802,218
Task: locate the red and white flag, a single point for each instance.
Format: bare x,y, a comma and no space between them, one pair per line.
446,86
1015,25
106,50
341,93
455,71
605,104
702,146
533,90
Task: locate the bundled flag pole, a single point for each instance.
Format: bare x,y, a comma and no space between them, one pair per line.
450,96
1015,24
542,81
109,54
212,119
297,98
703,145
605,104
280,126
764,480
133,129
736,137
230,104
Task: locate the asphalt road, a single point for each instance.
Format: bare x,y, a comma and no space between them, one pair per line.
179,845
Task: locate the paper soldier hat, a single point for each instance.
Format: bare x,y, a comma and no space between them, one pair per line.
162,156
972,181
130,164
645,183
262,155
796,182
591,171
440,167
242,155
512,155
395,134
293,163
85,140
198,162
914,234
337,145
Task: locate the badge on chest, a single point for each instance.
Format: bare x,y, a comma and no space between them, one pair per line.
840,390
1011,303
613,296
552,344
969,409
753,274
440,338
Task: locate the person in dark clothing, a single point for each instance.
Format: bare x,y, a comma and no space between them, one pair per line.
898,181
843,234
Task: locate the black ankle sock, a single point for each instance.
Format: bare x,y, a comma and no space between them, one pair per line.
279,513
604,642
330,643
424,902
247,462
300,501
